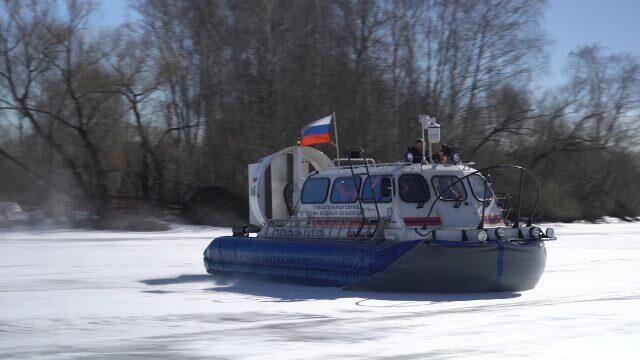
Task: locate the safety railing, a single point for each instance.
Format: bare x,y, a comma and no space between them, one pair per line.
371,163
344,162
504,201
325,228
522,170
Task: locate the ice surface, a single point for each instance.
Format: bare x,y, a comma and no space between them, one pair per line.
97,295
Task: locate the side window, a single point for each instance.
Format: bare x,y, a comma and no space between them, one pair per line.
477,185
413,188
345,190
446,190
315,191
382,189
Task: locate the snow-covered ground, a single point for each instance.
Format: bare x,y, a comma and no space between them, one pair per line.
95,295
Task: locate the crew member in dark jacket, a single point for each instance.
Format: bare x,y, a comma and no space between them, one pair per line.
414,153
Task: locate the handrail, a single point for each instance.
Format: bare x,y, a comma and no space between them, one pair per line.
484,201
517,223
375,201
373,194
355,183
338,162
522,170
375,165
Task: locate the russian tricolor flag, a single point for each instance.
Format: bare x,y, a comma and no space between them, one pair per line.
317,132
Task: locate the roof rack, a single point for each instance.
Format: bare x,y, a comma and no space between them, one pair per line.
355,161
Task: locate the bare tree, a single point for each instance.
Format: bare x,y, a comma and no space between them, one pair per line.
191,92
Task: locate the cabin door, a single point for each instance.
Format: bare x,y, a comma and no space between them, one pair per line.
415,200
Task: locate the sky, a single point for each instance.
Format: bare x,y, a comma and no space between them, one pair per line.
614,24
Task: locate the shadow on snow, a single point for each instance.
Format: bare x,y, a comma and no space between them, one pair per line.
281,290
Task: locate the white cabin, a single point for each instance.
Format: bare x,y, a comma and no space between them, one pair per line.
406,196
400,201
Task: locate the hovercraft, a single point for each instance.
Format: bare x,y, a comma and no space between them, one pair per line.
360,224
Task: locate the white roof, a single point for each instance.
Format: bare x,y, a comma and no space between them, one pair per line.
397,169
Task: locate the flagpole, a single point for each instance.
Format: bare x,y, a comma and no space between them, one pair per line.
335,130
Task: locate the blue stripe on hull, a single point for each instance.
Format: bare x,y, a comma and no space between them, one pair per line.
438,266
500,267
339,262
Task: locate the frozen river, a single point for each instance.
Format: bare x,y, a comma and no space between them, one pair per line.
96,295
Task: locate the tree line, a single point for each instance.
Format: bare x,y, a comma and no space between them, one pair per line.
189,92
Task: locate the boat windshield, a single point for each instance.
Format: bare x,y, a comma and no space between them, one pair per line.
446,190
413,188
477,184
